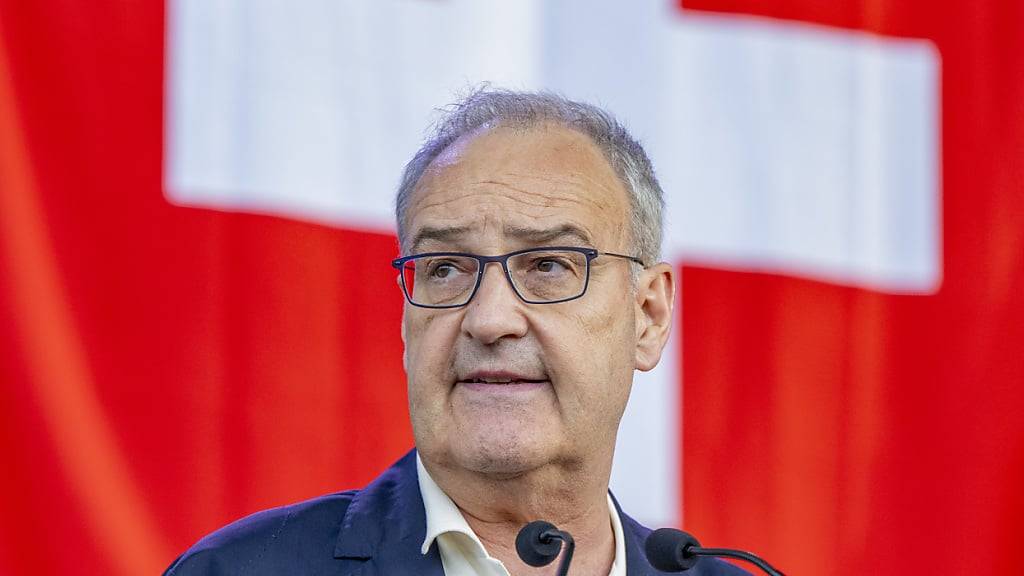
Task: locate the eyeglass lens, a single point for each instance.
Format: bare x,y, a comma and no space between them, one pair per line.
537,276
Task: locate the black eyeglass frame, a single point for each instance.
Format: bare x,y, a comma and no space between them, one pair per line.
482,261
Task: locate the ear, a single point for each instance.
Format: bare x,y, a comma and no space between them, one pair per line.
655,299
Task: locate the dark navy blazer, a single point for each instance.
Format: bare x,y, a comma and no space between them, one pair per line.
376,531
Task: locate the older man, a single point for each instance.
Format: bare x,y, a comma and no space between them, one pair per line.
530,227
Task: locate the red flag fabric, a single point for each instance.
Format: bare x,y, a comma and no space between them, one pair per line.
165,369
842,431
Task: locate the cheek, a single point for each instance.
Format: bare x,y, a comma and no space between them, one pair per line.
416,331
612,343
610,326
596,347
427,373
429,338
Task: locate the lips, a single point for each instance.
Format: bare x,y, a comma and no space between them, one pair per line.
501,378
515,381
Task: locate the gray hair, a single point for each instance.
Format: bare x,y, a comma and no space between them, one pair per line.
493,107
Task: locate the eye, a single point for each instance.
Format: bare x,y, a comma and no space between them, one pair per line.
550,265
446,268
440,269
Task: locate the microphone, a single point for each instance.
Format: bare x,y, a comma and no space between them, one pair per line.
539,542
671,550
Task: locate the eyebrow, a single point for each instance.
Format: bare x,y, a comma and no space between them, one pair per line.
437,234
545,235
451,234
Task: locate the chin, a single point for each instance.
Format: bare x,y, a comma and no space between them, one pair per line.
503,459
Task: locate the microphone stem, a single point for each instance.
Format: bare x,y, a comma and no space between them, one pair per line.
569,546
738,554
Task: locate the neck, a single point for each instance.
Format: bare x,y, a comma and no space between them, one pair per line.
575,500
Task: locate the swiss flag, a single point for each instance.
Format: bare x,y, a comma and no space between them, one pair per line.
199,320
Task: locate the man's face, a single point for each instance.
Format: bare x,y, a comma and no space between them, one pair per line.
500,386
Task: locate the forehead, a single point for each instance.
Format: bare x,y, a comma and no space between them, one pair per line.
498,180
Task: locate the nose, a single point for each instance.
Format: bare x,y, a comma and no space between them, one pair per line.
495,312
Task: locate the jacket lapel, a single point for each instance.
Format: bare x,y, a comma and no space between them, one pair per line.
385,525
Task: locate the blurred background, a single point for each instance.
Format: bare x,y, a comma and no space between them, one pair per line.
198,318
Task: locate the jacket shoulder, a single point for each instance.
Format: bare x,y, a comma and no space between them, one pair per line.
277,541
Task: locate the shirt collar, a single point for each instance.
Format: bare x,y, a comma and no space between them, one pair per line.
619,562
443,516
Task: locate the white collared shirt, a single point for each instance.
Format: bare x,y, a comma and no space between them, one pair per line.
462,553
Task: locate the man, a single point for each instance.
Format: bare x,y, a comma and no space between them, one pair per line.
530,227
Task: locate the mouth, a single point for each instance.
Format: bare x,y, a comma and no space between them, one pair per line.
502,382
491,380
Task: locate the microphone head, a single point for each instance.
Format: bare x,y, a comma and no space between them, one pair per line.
535,546
667,550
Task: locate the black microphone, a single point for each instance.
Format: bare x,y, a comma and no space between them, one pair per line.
539,542
671,550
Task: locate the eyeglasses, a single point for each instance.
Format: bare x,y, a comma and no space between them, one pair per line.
537,275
